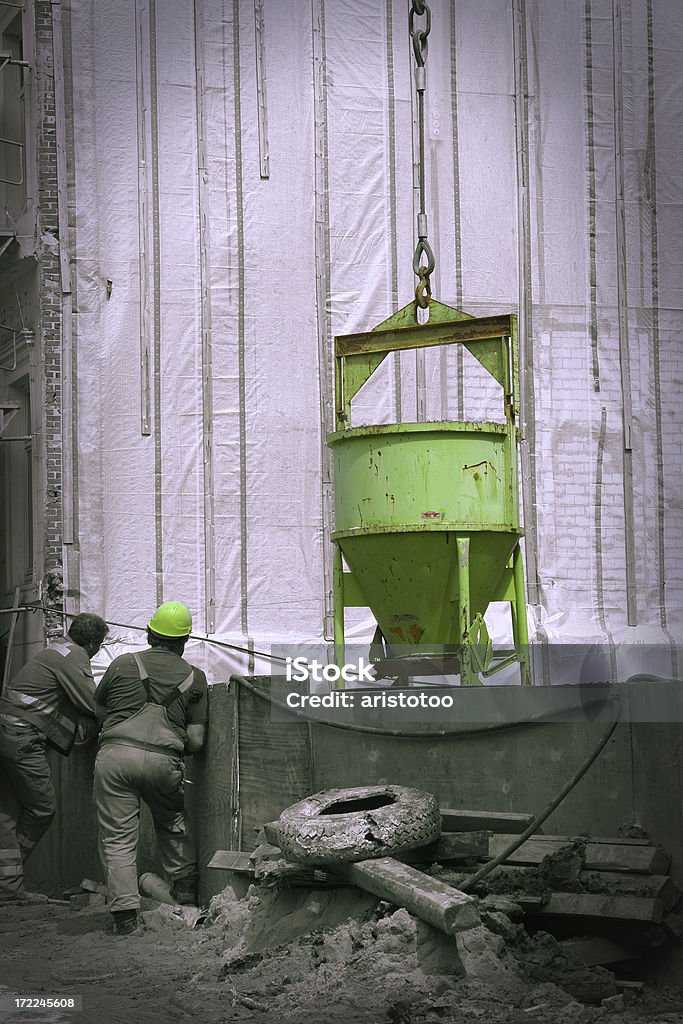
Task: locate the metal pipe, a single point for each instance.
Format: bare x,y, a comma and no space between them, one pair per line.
145,243
67,409
205,321
622,305
525,297
519,619
10,640
261,98
322,298
338,589
547,811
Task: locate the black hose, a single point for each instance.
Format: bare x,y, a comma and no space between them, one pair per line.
373,730
539,819
646,677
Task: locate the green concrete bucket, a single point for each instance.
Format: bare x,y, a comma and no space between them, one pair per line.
403,494
427,514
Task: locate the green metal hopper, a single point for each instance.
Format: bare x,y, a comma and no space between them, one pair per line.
427,514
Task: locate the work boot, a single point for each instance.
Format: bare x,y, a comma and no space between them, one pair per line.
185,892
125,922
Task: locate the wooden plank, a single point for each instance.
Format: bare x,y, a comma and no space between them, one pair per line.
612,840
495,821
598,950
450,846
650,935
592,905
615,857
660,887
532,851
526,902
432,901
646,859
674,924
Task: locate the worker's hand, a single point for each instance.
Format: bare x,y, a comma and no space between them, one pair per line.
196,735
86,730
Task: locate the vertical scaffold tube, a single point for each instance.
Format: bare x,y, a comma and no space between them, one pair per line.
338,592
520,628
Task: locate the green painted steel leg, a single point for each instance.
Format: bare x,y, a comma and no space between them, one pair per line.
520,628
338,599
463,577
468,675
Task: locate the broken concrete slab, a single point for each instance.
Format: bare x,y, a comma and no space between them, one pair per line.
91,886
503,905
276,915
81,900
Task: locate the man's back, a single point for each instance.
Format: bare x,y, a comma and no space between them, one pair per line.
153,706
121,693
50,691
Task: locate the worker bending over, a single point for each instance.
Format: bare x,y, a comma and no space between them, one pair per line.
153,708
41,707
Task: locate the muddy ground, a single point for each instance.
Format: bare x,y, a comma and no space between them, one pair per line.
306,956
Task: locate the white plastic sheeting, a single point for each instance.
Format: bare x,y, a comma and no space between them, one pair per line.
203,368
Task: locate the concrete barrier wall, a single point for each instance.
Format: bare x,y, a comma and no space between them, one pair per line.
253,767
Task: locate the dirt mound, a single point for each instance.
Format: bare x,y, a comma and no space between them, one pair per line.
298,953
298,956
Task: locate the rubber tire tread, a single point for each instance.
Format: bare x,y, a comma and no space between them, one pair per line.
307,835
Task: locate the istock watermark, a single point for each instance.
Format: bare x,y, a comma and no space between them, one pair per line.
579,683
301,670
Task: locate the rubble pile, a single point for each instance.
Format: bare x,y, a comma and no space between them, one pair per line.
288,954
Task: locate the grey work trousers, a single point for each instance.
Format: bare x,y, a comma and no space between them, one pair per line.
125,775
27,801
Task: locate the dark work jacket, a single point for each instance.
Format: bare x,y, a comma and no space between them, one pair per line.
51,691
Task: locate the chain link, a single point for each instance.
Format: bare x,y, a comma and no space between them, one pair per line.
423,291
423,258
419,35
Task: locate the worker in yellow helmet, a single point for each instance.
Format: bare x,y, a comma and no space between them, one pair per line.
153,709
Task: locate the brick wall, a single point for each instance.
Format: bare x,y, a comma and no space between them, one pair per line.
50,308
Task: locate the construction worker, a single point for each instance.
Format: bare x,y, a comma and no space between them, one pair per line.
153,709
41,707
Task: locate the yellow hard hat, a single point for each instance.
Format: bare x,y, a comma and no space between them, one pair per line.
171,619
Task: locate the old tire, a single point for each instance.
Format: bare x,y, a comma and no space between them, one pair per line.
358,824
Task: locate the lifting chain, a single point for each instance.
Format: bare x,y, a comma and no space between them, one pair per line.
423,258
